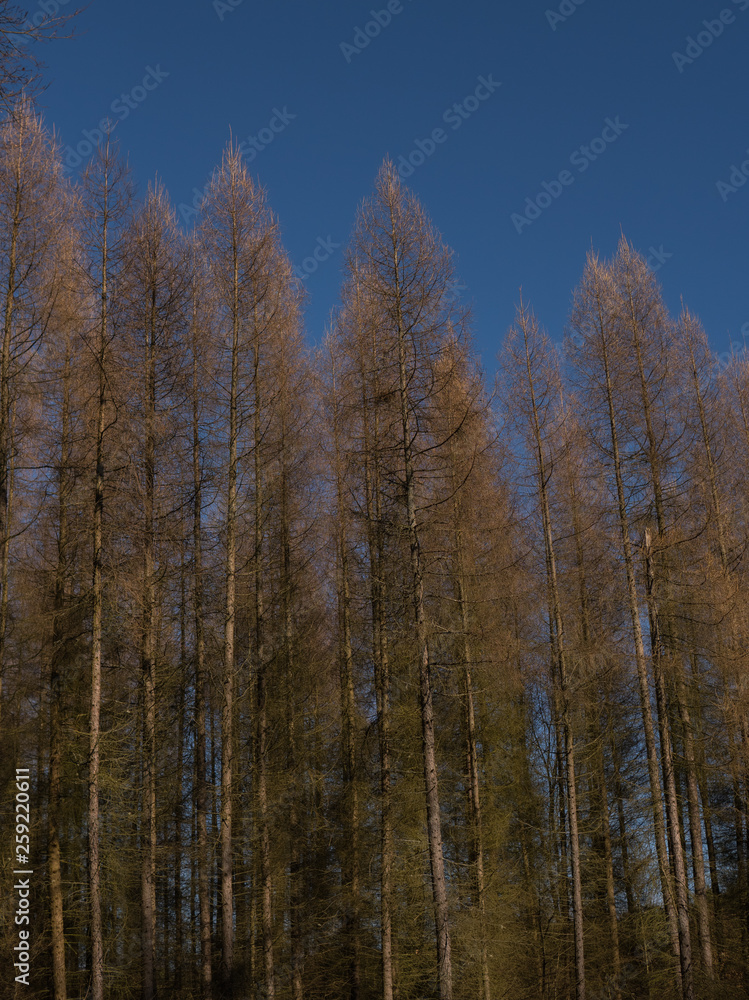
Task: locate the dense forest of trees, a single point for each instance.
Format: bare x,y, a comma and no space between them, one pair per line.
351,672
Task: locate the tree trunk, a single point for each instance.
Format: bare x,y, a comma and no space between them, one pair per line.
472,765
632,905
148,665
434,826
558,644
296,884
667,761
182,710
350,868
201,687
59,660
94,874
600,763
695,827
227,708
263,727
659,826
381,659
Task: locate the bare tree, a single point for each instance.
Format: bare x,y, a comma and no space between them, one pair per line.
366,412
63,406
534,409
464,526
153,307
238,237
404,269
334,393
201,358
33,212
19,65
597,357
106,196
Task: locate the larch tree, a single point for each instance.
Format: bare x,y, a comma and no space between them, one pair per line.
591,643
19,65
201,368
366,412
647,332
106,200
468,514
33,211
154,287
239,240
63,440
534,406
404,270
333,391
597,357
338,677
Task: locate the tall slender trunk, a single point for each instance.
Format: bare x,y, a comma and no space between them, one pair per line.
669,776
384,727
609,863
558,646
696,771
739,829
352,876
600,763
215,881
658,651
472,764
58,664
632,905
561,670
201,688
558,800
148,666
263,726
227,708
296,882
659,826
94,873
194,894
350,868
707,814
57,925
695,828
473,788
381,658
434,825
182,709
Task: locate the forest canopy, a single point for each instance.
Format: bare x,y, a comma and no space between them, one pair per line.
350,671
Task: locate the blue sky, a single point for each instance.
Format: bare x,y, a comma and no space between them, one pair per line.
596,128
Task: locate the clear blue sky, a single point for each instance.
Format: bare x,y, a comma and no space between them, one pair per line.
245,66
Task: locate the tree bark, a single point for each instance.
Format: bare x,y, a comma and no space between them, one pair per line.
659,827
434,826
148,667
58,664
263,726
94,874
350,869
201,679
558,644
